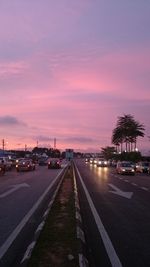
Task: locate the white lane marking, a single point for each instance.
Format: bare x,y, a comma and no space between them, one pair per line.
127,181
106,240
20,226
13,189
120,192
134,184
145,188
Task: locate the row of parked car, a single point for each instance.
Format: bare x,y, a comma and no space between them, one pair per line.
122,167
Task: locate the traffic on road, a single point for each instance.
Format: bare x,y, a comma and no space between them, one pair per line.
25,191
116,214
114,200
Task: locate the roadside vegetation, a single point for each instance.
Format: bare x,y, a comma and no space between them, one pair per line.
126,132
124,139
57,244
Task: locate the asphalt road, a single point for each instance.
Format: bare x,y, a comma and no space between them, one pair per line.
116,216
20,193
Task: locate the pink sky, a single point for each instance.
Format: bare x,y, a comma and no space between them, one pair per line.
69,68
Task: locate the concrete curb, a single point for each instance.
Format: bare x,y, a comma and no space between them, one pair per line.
83,262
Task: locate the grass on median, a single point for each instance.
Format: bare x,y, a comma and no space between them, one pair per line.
57,244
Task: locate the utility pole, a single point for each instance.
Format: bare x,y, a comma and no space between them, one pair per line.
3,145
54,143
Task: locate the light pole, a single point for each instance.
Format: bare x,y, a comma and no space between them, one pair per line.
25,147
3,145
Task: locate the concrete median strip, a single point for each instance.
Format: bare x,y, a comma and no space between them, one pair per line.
83,262
59,239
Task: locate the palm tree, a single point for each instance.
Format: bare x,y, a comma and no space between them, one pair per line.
138,131
117,138
127,131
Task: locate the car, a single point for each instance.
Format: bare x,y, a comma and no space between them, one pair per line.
42,161
2,167
25,165
87,160
143,167
125,167
7,163
91,160
54,163
102,162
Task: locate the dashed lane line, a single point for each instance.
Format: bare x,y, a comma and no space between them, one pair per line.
134,184
145,188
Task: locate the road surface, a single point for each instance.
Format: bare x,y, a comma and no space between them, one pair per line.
23,198
116,216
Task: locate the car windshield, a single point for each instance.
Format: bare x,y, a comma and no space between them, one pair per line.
24,161
55,160
126,164
146,164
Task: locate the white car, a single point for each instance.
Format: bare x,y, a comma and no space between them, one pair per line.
125,167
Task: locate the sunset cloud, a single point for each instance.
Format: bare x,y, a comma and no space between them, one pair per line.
69,68
12,68
10,121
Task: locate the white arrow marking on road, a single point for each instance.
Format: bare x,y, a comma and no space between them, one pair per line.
15,187
120,192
